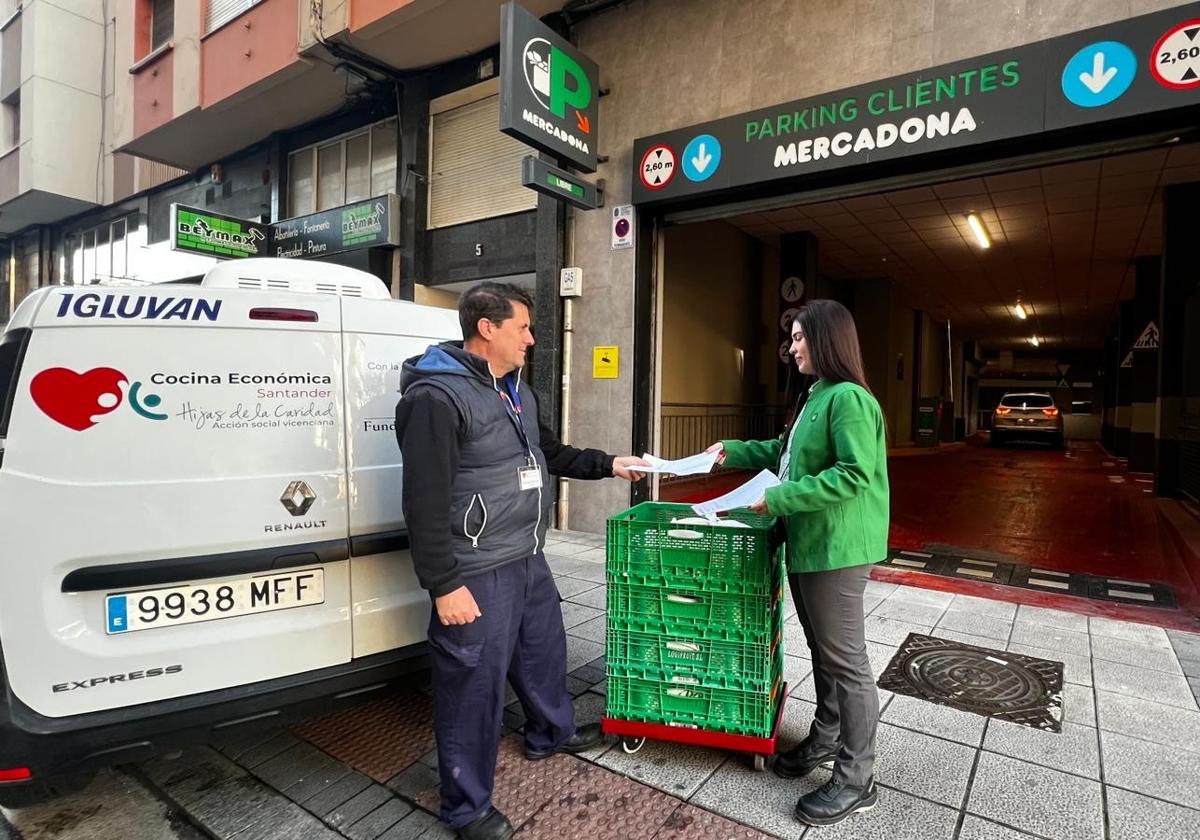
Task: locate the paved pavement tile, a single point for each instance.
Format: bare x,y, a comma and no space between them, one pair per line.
413,780
597,598
933,719
1164,772
762,800
421,825
1074,750
599,805
920,764
1132,816
593,629
1158,686
337,794
574,614
1053,618
378,821
1149,721
977,828
984,606
357,807
569,587
1036,799
293,765
1079,704
689,823
1143,634
677,769
897,816
969,621
1050,638
1076,669
1112,649
892,631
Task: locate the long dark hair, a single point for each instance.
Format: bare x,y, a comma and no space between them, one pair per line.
832,339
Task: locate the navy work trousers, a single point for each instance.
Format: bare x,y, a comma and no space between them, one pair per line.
518,637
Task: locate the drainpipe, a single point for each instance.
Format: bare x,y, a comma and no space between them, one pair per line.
568,329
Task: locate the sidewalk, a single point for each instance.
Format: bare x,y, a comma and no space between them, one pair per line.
1126,765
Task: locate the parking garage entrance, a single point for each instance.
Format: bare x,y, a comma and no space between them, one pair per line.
1028,312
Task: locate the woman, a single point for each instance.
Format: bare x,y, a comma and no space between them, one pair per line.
833,499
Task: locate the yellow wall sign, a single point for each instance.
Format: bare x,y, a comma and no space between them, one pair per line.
605,362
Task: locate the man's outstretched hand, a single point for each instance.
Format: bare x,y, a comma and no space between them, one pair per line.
626,466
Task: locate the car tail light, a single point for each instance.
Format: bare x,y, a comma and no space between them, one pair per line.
1050,412
274,313
15,774
1001,410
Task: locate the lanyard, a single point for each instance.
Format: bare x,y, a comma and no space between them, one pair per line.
511,397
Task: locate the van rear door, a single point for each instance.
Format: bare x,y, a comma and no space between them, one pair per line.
172,496
390,608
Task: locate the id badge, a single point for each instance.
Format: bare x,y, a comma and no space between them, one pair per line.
530,478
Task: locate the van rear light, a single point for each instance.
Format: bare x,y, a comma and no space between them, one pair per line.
1001,410
275,313
1050,412
15,774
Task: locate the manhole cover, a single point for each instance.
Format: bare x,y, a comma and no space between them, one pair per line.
995,683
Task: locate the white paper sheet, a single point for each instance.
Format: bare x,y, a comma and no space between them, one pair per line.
743,496
691,465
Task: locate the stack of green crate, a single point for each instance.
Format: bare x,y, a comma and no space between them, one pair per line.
695,620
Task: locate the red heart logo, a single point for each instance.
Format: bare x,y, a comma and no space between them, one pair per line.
74,399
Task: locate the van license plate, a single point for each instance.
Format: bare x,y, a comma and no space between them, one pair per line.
153,608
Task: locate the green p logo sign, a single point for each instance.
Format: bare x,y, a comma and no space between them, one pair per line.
569,85
558,82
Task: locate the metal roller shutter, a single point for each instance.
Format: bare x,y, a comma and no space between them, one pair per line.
220,12
475,171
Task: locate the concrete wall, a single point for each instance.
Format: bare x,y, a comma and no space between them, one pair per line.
60,99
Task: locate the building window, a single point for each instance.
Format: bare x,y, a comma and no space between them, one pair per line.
100,255
350,168
162,23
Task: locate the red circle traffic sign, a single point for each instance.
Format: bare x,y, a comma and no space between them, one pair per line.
658,166
1175,59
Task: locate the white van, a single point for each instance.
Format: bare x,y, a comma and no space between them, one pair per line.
200,519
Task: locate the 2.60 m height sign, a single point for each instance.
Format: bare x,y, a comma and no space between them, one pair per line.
658,167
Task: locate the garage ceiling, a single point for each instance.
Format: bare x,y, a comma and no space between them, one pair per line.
1064,239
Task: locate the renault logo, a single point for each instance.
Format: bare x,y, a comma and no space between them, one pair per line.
298,498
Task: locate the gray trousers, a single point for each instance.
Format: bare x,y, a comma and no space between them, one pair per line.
830,608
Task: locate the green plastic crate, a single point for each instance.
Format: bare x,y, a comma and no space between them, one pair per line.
644,547
720,710
723,616
681,661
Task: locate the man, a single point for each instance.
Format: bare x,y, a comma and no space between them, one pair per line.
477,463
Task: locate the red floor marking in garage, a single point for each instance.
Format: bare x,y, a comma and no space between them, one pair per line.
1054,510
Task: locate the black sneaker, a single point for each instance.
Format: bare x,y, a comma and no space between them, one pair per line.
834,801
804,758
492,825
585,738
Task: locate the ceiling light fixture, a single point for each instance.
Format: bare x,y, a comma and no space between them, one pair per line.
1035,341
979,230
1020,311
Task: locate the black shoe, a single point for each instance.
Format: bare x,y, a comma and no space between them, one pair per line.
804,758
585,738
834,801
491,826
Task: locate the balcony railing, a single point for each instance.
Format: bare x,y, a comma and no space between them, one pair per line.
688,428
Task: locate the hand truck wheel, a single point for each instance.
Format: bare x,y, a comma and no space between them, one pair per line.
631,744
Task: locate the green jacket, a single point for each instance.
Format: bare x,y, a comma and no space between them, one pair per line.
835,503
